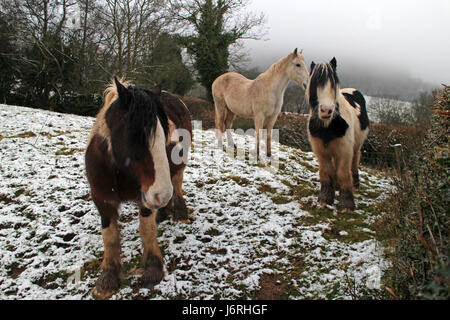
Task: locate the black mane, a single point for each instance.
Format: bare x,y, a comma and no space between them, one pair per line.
143,111
320,75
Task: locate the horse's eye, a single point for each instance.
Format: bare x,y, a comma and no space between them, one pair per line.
298,65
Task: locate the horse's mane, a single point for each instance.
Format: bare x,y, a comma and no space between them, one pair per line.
274,68
141,113
110,92
321,75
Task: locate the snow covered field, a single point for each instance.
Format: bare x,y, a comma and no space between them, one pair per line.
255,230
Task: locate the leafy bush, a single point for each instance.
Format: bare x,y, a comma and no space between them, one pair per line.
418,216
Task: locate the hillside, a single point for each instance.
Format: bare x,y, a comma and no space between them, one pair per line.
255,230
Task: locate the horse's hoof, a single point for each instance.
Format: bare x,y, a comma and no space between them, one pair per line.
153,272
103,295
346,202
232,146
326,194
107,284
151,277
345,208
180,211
322,205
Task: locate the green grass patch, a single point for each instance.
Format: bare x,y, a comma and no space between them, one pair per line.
68,151
266,188
240,181
27,134
278,199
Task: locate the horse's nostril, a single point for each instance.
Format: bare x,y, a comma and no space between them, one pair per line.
329,111
156,199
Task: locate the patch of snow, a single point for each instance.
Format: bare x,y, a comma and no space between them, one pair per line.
50,229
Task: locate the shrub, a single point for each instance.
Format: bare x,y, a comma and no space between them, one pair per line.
418,216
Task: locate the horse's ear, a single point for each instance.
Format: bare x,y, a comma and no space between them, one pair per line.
312,67
333,63
295,52
121,90
157,90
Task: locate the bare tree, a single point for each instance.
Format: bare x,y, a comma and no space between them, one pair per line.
130,29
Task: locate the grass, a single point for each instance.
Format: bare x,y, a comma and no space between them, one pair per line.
266,189
240,180
69,151
27,134
278,199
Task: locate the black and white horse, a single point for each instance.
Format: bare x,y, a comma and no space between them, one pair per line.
338,125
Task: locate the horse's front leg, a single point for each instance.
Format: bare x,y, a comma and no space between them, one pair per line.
109,280
326,173
258,126
269,125
153,261
269,142
345,182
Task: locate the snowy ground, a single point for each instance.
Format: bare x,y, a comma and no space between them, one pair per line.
255,230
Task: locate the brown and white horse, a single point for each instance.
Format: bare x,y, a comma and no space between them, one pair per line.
128,157
338,125
260,99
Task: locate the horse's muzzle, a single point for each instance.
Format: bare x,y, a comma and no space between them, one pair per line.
156,200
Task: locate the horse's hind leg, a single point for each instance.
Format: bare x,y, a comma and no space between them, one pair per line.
180,211
220,115
230,116
109,280
355,168
153,262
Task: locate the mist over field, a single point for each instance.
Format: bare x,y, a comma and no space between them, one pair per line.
388,48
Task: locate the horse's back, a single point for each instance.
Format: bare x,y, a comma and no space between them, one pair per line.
234,91
229,82
356,99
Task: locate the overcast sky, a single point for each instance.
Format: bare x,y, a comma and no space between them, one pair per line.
412,35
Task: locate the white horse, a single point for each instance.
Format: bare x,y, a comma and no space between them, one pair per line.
260,99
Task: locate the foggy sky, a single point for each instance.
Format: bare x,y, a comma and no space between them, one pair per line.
412,36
